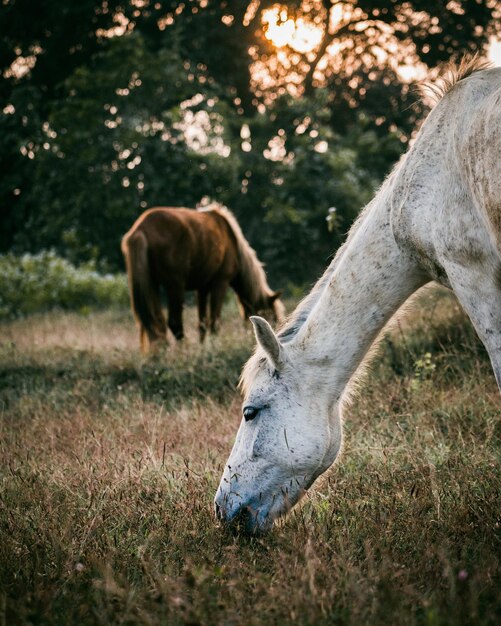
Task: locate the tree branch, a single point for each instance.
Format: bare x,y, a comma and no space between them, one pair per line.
327,39
326,42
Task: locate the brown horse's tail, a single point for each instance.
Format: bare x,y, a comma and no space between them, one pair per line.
144,294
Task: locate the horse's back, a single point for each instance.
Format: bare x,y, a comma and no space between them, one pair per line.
186,245
446,192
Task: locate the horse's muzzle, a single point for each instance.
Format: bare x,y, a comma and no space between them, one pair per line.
236,515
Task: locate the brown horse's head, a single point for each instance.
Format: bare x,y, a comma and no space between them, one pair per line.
268,303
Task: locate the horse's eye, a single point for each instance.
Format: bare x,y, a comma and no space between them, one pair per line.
250,413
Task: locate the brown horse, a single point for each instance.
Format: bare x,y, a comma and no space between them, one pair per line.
181,250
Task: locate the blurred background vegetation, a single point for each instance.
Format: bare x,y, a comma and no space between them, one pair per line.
287,112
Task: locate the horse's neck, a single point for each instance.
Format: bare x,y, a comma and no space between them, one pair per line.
243,289
369,282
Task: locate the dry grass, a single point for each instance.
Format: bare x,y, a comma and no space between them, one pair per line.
109,463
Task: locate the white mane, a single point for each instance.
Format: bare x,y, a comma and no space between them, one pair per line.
452,74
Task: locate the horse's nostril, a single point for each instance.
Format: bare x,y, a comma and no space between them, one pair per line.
229,517
245,520
240,519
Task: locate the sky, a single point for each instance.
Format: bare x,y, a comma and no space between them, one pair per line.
495,52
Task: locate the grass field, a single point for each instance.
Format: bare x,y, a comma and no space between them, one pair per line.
109,463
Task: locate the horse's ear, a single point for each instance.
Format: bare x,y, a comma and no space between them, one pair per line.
275,296
277,306
267,339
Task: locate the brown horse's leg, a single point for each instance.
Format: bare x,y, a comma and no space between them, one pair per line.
175,297
202,314
216,304
154,335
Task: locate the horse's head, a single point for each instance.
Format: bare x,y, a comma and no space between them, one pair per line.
269,302
288,436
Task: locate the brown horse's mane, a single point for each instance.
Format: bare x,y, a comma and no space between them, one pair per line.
252,275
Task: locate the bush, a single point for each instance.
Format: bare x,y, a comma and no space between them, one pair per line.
33,283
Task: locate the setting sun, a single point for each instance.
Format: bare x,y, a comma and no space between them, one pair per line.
282,31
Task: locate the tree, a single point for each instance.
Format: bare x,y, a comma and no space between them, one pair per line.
108,107
115,137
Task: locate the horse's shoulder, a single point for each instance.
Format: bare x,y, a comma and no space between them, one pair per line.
216,219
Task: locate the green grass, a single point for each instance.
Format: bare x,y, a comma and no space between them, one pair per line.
109,462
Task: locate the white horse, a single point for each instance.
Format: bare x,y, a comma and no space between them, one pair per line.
436,217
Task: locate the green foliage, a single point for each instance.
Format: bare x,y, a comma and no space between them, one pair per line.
34,283
115,145
297,169
424,368
109,108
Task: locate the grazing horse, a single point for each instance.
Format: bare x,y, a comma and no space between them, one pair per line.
185,249
436,217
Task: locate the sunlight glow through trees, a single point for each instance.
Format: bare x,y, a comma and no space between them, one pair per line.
282,30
